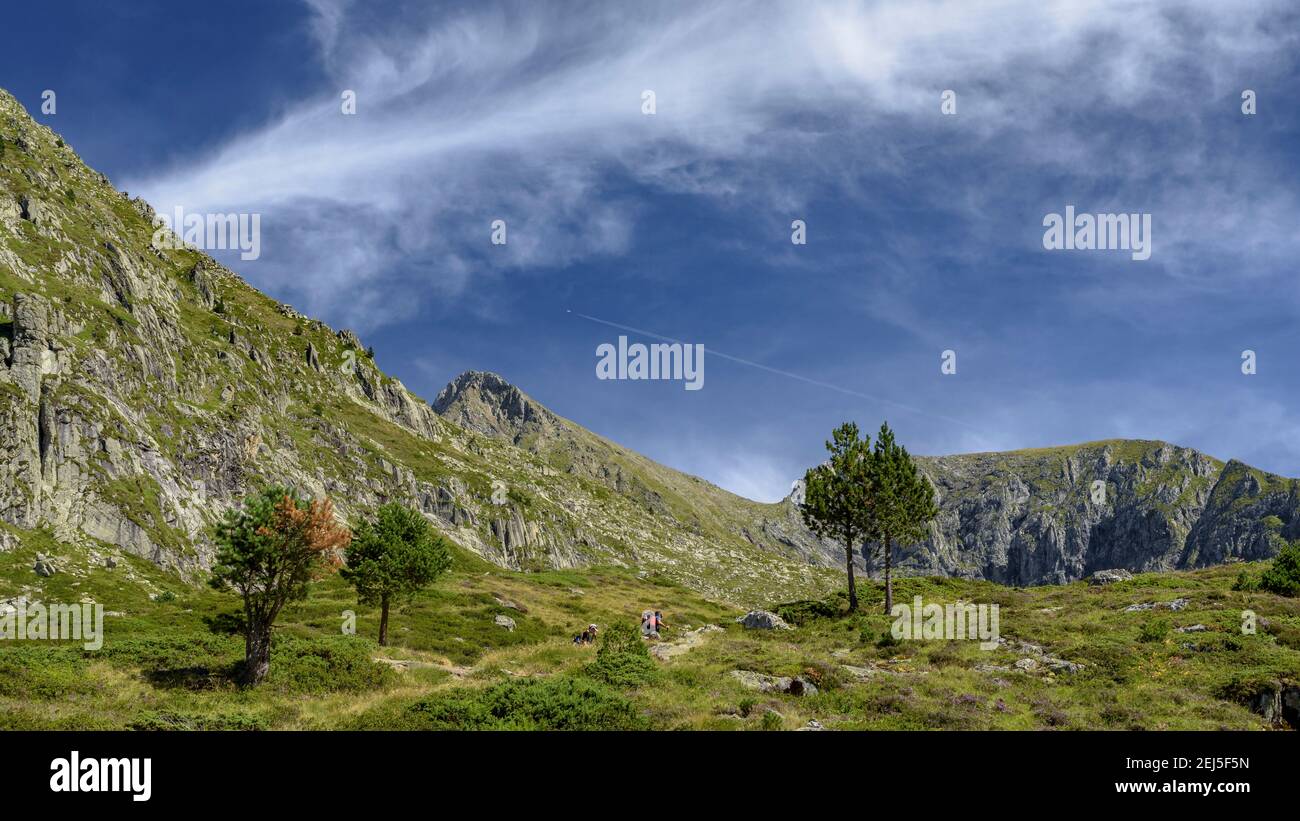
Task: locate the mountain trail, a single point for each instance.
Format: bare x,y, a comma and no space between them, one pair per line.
665,651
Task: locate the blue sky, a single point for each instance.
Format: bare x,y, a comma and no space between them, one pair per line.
924,229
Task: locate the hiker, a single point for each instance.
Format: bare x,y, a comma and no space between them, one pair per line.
659,621
650,624
587,636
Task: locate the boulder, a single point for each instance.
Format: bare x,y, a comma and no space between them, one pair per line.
762,620
763,683
504,621
1104,577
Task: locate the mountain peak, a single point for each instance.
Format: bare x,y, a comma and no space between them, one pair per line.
486,403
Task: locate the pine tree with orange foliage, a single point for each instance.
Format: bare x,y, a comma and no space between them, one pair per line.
267,552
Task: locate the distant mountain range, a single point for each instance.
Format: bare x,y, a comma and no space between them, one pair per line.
144,389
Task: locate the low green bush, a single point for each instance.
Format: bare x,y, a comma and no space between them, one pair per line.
623,659
1283,576
1153,630
321,665
560,703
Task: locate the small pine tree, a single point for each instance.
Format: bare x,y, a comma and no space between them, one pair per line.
394,555
622,659
902,501
836,496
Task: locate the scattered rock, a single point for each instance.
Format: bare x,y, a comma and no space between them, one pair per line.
504,602
1191,628
8,541
992,668
1176,604
1027,664
813,724
44,567
859,673
1061,665
762,620
763,683
1104,577
504,621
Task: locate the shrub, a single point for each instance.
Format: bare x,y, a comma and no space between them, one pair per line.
803,612
42,671
1245,583
622,659
886,639
560,703
1283,577
1153,630
172,720
772,720
325,665
823,676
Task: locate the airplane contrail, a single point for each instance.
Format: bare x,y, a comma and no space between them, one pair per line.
779,372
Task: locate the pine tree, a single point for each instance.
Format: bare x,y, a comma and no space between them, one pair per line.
836,495
267,552
901,502
394,555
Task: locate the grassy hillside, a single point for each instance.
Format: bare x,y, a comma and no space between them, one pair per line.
168,657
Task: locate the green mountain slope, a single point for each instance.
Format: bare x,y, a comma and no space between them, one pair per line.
145,390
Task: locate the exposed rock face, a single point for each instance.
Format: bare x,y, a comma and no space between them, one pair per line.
485,403
1031,517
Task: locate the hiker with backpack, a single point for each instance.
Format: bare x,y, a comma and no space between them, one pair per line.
651,622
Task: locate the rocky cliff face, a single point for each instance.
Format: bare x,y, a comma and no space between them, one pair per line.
1032,517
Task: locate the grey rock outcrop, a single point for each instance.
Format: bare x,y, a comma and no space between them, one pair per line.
1105,577
763,683
762,620
1030,517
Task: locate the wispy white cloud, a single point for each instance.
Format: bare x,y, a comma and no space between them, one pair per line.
517,112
